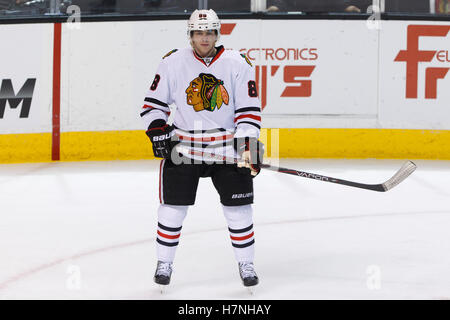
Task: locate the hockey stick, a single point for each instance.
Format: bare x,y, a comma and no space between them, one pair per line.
407,168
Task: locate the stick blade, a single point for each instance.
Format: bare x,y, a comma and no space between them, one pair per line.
403,173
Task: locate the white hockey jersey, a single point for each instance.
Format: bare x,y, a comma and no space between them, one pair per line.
214,102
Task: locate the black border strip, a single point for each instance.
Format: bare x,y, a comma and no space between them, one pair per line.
241,230
223,16
169,228
156,101
167,244
245,245
247,109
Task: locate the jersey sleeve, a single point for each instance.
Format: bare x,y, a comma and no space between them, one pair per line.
158,97
247,117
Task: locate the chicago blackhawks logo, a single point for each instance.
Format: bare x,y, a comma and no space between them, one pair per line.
206,92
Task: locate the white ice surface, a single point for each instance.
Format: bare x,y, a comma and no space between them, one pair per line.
93,224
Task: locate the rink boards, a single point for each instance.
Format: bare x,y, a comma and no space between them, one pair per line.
329,89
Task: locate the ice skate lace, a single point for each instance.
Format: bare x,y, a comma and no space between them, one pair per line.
247,270
164,268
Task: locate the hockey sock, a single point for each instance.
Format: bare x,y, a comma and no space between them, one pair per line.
170,221
240,225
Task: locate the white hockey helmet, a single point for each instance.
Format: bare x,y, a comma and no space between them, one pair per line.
203,20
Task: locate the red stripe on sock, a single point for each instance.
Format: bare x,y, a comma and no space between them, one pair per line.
242,238
167,236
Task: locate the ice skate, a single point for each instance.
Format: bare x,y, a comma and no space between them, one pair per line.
162,274
248,275
251,290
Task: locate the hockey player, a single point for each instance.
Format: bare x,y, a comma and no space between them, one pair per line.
217,111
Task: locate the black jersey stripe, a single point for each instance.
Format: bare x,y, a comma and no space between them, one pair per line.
167,244
203,145
247,109
169,228
241,230
151,109
245,245
202,131
248,122
156,101
145,112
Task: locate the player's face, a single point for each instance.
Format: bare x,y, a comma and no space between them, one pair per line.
203,42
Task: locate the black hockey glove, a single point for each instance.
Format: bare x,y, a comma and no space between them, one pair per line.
162,137
250,152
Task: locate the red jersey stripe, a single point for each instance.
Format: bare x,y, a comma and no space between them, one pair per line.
218,54
199,59
248,116
207,139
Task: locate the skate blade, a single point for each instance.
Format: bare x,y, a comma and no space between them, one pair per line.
251,290
162,288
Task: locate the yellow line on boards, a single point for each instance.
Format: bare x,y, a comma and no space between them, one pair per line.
25,147
283,143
